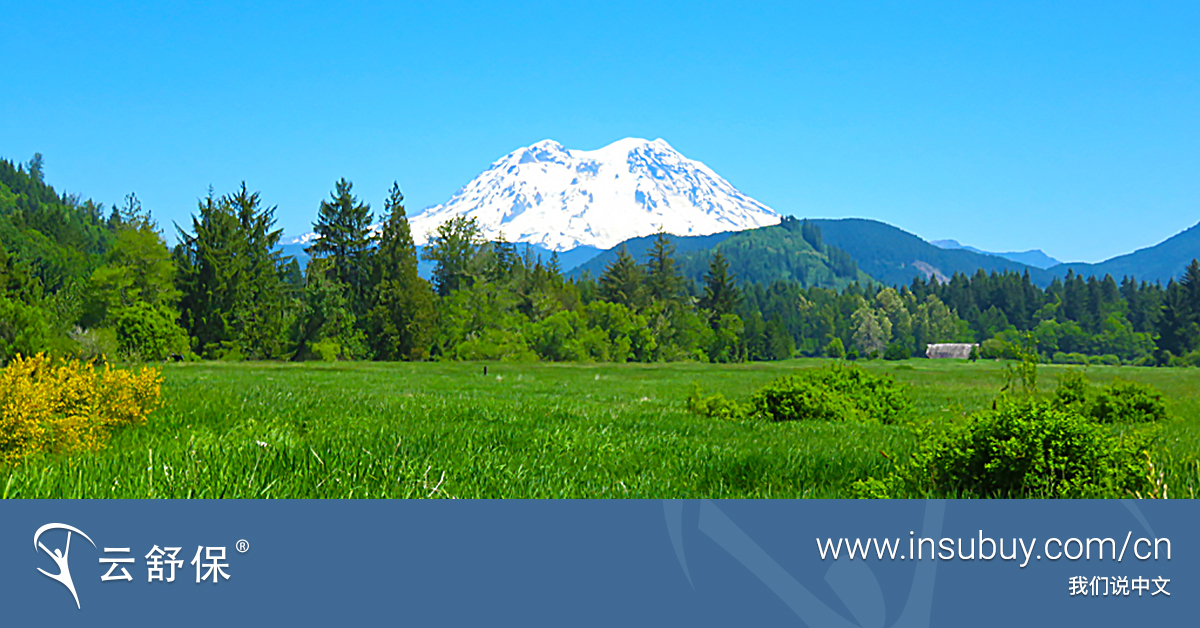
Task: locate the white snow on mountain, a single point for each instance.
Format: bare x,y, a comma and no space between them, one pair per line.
561,199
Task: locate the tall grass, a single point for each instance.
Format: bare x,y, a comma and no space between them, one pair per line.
361,430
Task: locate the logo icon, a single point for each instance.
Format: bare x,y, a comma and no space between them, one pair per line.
60,556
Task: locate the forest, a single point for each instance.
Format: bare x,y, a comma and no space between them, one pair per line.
80,278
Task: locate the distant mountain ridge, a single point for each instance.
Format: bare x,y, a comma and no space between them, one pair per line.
1159,263
1033,257
894,256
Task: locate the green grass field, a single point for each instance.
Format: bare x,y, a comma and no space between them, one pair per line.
373,430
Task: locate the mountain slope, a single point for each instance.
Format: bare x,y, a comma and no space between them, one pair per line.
890,255
763,255
563,199
894,256
1033,257
1161,262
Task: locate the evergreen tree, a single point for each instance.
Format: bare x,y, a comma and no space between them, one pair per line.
623,281
402,319
812,234
1190,283
663,281
502,260
454,247
343,226
230,273
721,295
1178,325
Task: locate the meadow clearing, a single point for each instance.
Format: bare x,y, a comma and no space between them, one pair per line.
540,430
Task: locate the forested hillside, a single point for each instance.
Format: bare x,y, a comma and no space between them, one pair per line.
1159,263
793,250
894,256
82,279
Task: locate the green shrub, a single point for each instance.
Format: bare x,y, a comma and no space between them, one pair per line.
1191,359
94,344
995,349
23,329
714,406
835,393
1025,448
1108,359
897,351
1146,360
1072,390
149,333
1069,358
326,350
835,349
1128,402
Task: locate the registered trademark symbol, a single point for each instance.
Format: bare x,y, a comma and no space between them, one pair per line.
242,546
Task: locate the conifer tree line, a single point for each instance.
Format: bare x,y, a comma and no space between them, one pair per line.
79,278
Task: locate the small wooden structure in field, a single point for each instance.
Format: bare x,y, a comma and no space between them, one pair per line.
955,350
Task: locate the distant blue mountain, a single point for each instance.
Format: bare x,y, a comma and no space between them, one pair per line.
1161,262
1035,257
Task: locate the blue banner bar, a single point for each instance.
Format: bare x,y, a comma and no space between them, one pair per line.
556,563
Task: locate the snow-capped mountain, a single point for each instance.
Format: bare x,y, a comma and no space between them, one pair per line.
562,199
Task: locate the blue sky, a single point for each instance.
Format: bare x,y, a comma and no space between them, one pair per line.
1072,128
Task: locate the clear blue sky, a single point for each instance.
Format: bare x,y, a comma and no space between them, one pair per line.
1073,127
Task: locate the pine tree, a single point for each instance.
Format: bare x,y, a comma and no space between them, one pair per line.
402,318
663,281
1190,283
230,274
1179,321
454,247
343,224
502,261
812,234
622,281
721,295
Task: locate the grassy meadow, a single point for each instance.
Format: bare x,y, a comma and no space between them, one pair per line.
388,430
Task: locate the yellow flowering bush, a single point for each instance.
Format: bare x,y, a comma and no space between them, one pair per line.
63,406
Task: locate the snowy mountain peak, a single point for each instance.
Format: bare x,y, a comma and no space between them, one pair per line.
559,198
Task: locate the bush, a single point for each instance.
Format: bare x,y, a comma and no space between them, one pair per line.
1025,448
836,393
897,351
1072,390
714,406
1191,359
1069,358
995,349
23,329
326,350
1107,359
495,344
61,406
1128,402
835,349
148,333
94,344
